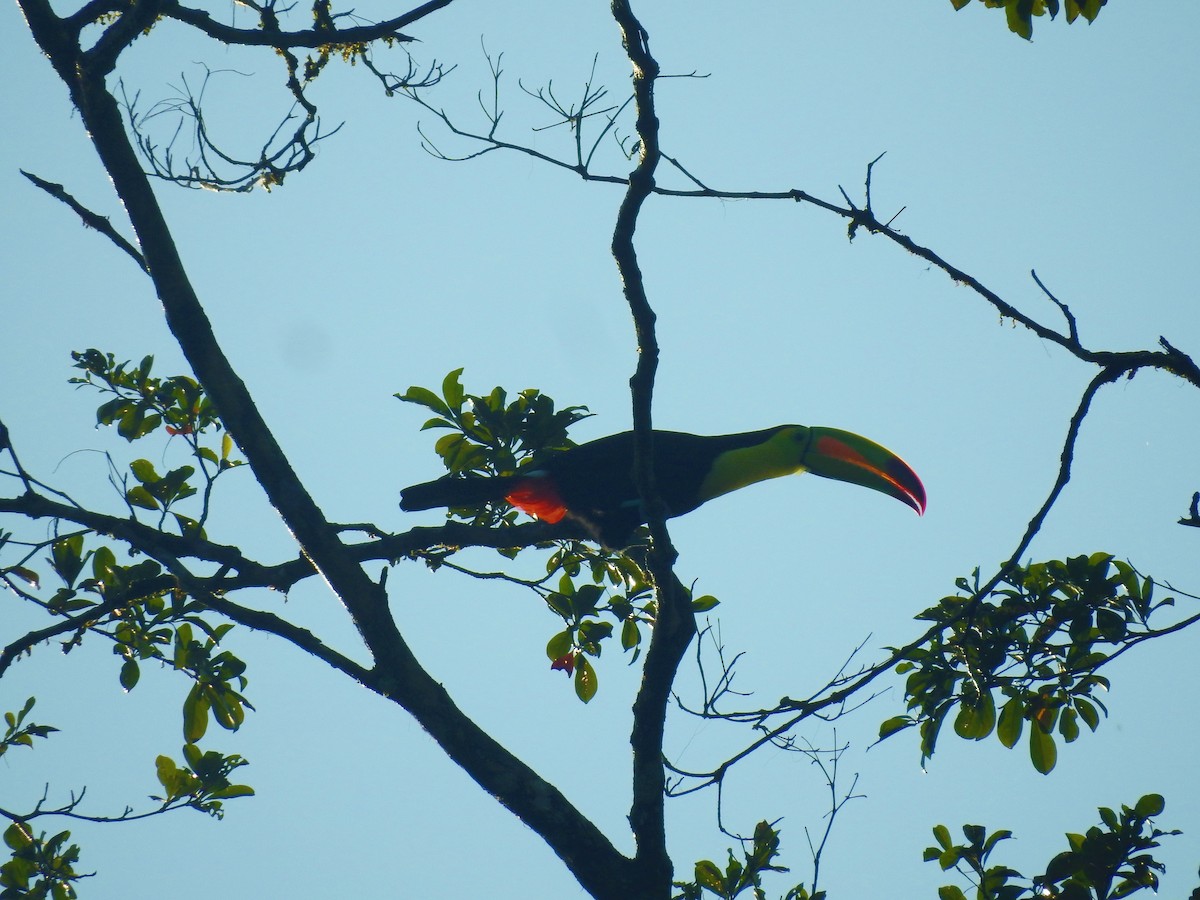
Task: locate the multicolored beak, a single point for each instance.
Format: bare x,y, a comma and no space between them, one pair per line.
844,456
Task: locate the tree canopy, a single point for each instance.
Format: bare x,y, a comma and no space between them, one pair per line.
241,609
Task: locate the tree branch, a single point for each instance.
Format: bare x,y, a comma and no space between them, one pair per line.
310,38
28,641
675,624
90,219
395,673
1169,358
800,710
150,541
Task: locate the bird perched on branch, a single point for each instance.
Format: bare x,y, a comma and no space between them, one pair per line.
593,483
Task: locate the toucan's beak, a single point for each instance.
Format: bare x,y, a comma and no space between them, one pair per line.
849,457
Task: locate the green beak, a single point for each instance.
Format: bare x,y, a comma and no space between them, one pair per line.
844,456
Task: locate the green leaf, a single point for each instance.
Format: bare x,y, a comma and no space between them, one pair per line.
1002,835
130,673
586,683
1150,805
941,834
140,497
975,722
1020,19
1011,723
452,389
18,836
1087,712
631,635
950,858
195,714
29,576
1042,751
234,790
705,603
66,557
103,563
559,645
167,773
709,875
143,471
424,397
951,892
1068,725
893,725
109,412
192,755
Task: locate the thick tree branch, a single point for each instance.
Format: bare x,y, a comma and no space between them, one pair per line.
136,18
395,673
283,576
675,625
13,650
311,38
143,538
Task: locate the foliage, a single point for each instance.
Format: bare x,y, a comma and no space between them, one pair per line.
742,874
490,435
203,783
142,609
1025,648
19,734
1020,13
1109,861
1034,644
41,867
140,405
38,866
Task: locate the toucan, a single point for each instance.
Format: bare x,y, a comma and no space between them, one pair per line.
593,483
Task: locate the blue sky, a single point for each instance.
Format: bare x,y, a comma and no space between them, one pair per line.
381,267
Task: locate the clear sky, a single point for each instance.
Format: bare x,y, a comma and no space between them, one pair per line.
380,267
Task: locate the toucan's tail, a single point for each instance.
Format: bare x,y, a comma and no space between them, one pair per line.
451,491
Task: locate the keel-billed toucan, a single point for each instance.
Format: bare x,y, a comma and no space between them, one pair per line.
593,483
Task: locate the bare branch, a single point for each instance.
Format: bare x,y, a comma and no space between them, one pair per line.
1072,328
90,219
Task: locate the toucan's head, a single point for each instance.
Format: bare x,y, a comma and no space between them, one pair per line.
845,456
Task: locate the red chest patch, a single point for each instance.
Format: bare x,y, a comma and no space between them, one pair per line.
539,497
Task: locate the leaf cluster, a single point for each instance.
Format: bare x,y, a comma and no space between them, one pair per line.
203,783
146,621
145,607
140,405
490,435
40,867
1110,861
742,874
1025,652
619,589
1020,13
19,734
